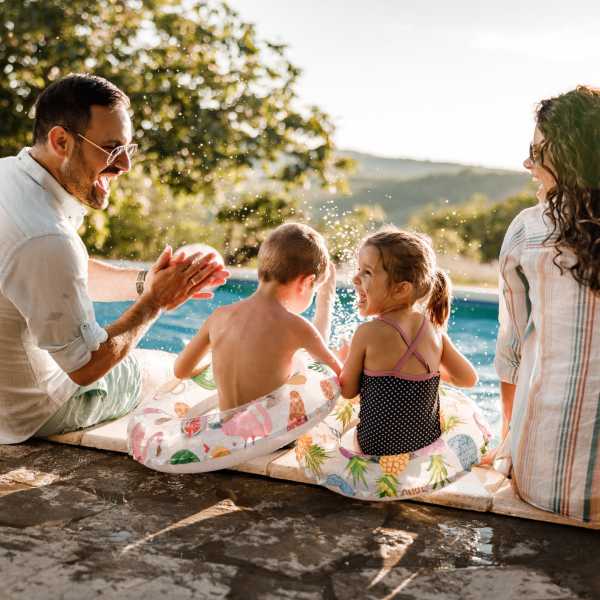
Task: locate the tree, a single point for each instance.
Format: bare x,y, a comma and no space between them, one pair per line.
344,231
474,228
143,216
212,104
246,225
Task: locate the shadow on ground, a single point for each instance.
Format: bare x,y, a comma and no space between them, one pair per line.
78,523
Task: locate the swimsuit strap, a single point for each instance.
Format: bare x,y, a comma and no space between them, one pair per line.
411,350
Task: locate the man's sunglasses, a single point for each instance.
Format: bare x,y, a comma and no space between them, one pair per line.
111,157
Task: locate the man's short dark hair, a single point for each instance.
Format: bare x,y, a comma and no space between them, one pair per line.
67,102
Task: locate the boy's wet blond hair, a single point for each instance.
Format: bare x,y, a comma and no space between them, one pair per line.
290,251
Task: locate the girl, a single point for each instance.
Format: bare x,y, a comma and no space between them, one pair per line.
396,360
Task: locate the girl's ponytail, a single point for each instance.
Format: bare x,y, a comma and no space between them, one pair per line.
438,306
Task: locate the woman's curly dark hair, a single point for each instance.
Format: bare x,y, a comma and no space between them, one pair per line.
571,127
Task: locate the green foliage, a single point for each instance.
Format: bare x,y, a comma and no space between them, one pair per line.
438,470
142,217
211,103
387,486
247,224
474,228
206,379
344,232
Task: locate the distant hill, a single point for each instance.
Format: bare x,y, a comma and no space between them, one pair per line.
370,165
402,186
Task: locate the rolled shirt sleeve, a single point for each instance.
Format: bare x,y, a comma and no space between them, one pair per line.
514,304
48,285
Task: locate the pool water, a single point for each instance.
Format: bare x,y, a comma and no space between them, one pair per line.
473,327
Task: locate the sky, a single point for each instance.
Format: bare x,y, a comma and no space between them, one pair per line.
434,79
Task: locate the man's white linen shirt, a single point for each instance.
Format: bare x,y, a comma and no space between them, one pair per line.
47,322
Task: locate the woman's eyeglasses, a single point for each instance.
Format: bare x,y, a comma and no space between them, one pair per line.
535,153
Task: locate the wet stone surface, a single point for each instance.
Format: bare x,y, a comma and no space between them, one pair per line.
79,523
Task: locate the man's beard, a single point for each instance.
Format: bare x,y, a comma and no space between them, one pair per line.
79,182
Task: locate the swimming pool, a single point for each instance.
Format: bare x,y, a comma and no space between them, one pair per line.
473,327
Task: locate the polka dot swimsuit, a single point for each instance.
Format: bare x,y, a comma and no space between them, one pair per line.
399,413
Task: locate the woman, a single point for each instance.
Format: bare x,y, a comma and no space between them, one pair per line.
548,348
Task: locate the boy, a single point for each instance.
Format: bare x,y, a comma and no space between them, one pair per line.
253,341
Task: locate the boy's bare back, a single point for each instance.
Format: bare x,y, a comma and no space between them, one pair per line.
253,343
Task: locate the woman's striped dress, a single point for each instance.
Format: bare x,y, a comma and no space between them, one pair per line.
549,345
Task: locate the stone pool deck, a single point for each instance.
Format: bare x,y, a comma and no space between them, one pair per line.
482,490
80,519
78,523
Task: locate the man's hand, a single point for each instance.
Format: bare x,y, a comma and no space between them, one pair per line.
170,282
218,278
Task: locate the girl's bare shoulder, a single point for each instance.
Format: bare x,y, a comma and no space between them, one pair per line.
432,336
370,330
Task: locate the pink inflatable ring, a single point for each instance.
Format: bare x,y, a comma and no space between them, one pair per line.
182,431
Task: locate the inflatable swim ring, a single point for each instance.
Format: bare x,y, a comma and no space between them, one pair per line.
331,457
182,431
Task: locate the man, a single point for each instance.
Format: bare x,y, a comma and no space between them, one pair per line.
59,370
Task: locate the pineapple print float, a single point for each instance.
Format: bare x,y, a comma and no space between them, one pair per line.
391,466
303,443
312,455
449,422
344,414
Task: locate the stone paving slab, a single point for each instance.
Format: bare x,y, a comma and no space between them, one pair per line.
10,453
61,505
7,486
107,527
482,490
460,584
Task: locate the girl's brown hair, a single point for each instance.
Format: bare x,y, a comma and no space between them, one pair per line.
407,256
571,127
